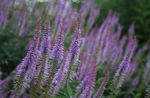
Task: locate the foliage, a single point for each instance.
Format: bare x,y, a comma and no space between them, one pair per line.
130,11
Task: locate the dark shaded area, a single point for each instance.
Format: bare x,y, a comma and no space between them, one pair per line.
12,50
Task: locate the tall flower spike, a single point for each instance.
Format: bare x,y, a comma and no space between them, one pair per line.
91,84
81,67
20,84
58,48
94,12
45,44
43,68
131,47
75,45
36,37
45,47
28,66
59,76
66,69
88,85
35,41
23,13
32,69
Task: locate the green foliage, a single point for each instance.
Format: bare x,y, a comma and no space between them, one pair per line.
12,49
137,11
142,14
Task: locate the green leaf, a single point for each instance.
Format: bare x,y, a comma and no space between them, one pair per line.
69,90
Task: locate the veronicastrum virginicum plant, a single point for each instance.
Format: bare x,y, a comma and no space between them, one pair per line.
98,58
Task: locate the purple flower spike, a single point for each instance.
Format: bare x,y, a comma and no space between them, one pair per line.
87,84
59,76
23,14
94,12
81,67
131,47
58,48
75,45
36,38
45,44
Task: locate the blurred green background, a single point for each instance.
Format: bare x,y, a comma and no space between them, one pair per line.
137,11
